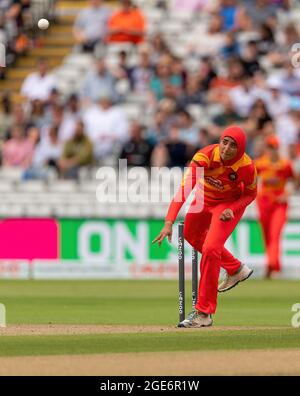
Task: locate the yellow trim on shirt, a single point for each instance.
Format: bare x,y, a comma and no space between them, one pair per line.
198,157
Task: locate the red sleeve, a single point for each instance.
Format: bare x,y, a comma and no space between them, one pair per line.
249,191
187,185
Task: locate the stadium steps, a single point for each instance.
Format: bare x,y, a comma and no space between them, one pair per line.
16,98
30,62
60,40
71,4
10,85
50,52
71,7
19,73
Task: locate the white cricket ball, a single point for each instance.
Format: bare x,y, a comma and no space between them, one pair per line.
43,24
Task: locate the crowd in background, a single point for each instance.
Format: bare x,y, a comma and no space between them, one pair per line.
15,29
253,82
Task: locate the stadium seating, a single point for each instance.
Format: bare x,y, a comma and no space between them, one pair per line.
70,198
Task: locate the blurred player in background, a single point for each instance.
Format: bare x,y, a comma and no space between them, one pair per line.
228,186
272,200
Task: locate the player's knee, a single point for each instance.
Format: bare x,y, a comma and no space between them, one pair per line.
193,240
211,250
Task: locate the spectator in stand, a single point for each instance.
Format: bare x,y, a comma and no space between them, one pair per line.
14,18
20,118
19,14
243,96
285,39
207,73
168,109
228,116
96,81
5,4
205,138
70,118
54,98
249,58
54,102
142,73
284,5
228,10
6,116
39,85
178,69
18,150
47,153
288,37
54,116
231,47
188,131
159,128
288,125
261,11
189,5
122,71
193,94
219,86
178,150
33,135
160,155
158,47
289,79
90,26
4,39
259,114
211,41
172,152
77,152
19,11
277,102
126,24
137,150
106,126
266,41
163,76
37,113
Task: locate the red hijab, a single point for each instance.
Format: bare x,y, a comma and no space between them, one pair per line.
239,136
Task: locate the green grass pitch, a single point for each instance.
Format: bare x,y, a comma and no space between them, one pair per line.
256,303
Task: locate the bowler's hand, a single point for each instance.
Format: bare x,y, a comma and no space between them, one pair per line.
227,215
165,232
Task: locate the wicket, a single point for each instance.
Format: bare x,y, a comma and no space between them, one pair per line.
181,271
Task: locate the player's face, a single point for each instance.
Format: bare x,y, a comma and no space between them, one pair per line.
273,152
228,148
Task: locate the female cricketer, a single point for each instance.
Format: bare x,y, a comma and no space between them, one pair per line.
274,171
228,186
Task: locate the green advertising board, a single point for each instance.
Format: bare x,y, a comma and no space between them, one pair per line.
131,239
111,248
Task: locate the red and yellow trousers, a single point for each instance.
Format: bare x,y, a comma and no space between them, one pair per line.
205,232
273,217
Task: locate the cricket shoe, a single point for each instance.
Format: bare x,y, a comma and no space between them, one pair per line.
196,319
230,281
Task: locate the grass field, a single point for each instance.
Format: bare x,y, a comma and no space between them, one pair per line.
256,315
